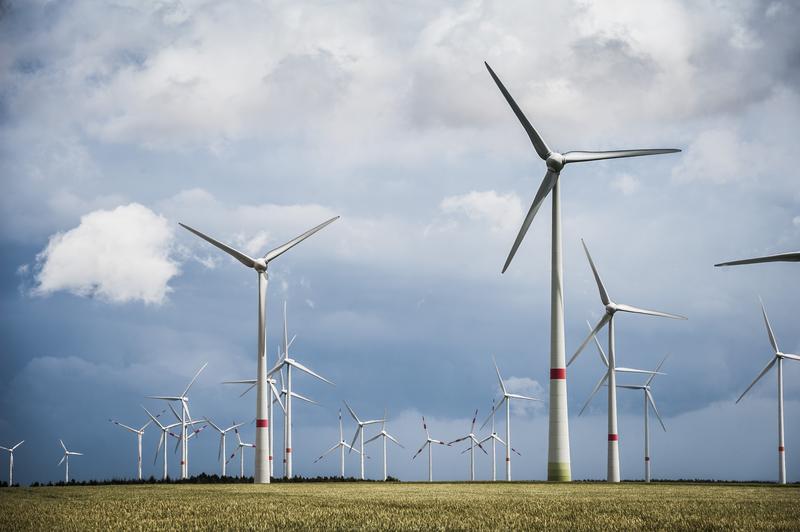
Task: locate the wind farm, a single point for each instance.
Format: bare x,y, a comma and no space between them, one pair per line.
150,151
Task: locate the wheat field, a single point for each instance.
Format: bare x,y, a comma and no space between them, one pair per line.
404,506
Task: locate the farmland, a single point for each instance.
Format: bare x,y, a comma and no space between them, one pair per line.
404,506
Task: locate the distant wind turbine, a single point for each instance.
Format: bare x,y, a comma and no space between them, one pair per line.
11,462
558,466
360,430
240,447
162,440
65,458
341,445
221,455
494,439
260,265
139,433
473,441
386,436
429,444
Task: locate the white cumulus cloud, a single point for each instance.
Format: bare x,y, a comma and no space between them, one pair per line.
502,211
117,255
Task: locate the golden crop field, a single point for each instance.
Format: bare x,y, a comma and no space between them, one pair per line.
403,506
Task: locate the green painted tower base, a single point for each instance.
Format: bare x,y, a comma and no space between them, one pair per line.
558,472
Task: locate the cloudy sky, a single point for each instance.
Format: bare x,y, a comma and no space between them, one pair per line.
254,121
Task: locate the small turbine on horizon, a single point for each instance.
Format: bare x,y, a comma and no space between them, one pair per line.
429,443
386,436
473,441
341,445
65,458
11,462
360,430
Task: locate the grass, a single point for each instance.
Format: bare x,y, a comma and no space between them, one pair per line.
404,506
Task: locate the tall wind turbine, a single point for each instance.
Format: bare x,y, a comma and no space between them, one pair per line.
429,444
780,257
341,445
162,440
139,433
221,454
360,430
185,419
386,436
240,446
473,441
260,265
64,458
558,461
11,462
778,358
608,319
494,439
273,396
507,397
288,362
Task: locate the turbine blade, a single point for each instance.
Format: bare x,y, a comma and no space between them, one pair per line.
763,371
355,436
303,398
378,435
538,143
458,440
549,181
516,451
62,445
238,255
769,328
219,429
301,367
17,445
62,460
655,409
597,386
194,379
496,407
602,289
160,442
644,371
600,324
427,442
151,416
242,381
780,257
481,448
425,426
599,347
523,397
636,310
474,417
174,412
277,395
653,376
280,250
499,378
247,390
326,453
790,356
355,417
394,440
131,429
583,156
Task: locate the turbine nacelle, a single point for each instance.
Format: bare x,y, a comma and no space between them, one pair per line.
555,162
260,265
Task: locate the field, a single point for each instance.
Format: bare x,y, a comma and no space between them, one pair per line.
403,506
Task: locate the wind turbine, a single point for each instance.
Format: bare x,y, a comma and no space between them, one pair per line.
472,442
780,257
185,419
240,446
288,362
139,433
608,319
494,439
507,397
11,462
428,442
222,433
274,396
162,440
360,430
778,358
558,462
260,265
66,456
341,445
386,436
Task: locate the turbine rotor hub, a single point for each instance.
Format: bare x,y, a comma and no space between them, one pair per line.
611,308
260,265
555,162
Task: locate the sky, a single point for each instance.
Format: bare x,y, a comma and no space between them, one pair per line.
254,121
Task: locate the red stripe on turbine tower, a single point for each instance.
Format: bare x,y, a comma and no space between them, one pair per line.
780,449
558,373
262,423
288,449
613,437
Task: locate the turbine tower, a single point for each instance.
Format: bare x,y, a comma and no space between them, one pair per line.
162,440
288,362
11,462
507,397
473,441
240,446
341,445
608,319
558,461
139,433
428,442
777,358
185,418
360,430
221,454
260,265
386,436
64,458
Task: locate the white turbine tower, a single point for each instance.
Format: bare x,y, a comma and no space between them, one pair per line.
386,436
780,257
222,454
360,430
260,265
11,462
611,308
494,439
428,443
162,440
185,419
473,441
558,466
778,358
288,362
64,458
341,445
240,446
139,433
507,397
